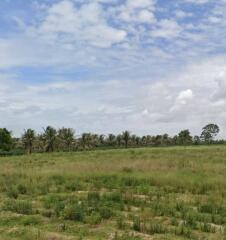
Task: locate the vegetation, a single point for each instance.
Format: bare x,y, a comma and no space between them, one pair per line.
64,139
138,194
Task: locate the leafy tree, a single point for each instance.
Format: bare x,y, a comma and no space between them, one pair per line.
86,140
119,140
165,139
196,140
184,137
126,138
133,139
111,139
138,141
149,140
28,139
6,140
66,135
101,139
209,132
49,136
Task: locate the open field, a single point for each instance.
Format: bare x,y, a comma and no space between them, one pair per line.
158,193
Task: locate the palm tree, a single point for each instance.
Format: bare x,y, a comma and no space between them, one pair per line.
133,139
119,140
66,135
126,137
28,139
111,139
50,135
86,140
101,140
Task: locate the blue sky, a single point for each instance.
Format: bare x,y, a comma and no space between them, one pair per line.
149,66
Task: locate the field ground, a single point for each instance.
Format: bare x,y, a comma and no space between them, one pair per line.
157,193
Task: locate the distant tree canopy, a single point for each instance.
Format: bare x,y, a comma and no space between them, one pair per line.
209,132
6,141
64,139
184,137
28,139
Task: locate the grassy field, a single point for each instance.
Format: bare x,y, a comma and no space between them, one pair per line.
161,193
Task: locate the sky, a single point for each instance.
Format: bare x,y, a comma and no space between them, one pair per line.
104,66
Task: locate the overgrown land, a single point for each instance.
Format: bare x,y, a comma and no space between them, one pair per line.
125,194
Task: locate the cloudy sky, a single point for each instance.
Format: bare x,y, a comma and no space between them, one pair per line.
149,66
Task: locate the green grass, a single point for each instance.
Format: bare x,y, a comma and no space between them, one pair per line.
157,193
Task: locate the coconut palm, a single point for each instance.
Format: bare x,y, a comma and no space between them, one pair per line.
126,138
111,139
28,139
66,136
50,136
119,140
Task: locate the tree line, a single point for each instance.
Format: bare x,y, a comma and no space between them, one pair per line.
64,139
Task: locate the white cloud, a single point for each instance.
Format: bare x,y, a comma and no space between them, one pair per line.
185,96
83,25
167,29
166,64
197,1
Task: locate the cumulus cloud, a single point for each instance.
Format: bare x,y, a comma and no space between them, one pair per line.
167,29
79,25
107,65
185,96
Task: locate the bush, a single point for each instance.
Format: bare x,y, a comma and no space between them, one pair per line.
208,228
75,213
93,197
106,213
22,189
93,219
31,221
121,224
21,207
137,225
12,193
156,228
59,208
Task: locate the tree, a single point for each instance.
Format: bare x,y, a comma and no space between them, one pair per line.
165,140
196,140
119,140
6,140
111,139
66,135
49,135
126,138
133,139
209,132
86,140
184,137
28,139
101,140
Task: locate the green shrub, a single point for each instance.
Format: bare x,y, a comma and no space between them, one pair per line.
75,213
137,224
93,219
22,189
208,228
121,224
156,228
182,230
93,197
59,208
31,221
12,193
113,196
106,212
21,207
73,186
51,200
